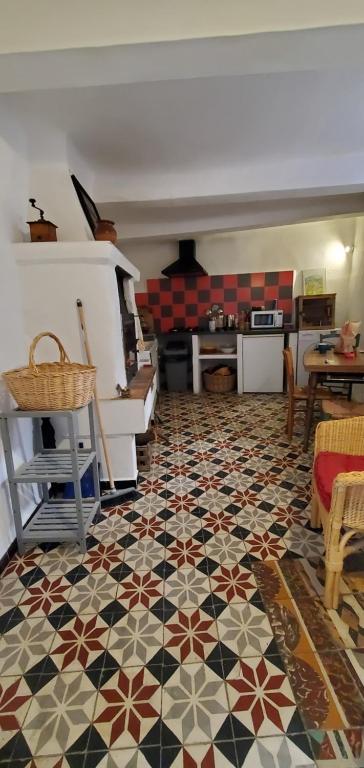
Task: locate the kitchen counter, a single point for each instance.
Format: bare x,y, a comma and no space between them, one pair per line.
257,355
257,358
265,331
225,332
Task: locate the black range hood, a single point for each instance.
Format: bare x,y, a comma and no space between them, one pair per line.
186,264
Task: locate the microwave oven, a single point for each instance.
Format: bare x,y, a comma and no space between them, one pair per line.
266,318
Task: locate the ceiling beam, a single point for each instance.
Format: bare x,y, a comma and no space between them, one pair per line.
325,49
173,222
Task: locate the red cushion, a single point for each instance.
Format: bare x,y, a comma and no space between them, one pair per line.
327,466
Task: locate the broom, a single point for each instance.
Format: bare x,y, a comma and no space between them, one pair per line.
111,496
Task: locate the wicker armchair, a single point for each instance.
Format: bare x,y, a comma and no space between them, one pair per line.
345,518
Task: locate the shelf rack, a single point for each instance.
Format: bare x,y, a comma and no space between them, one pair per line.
54,520
215,356
198,357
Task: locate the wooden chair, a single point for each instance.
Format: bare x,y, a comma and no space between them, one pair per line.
297,395
341,514
337,383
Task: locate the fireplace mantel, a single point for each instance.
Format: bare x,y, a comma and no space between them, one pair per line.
52,277
87,252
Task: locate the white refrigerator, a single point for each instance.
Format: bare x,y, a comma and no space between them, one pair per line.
263,363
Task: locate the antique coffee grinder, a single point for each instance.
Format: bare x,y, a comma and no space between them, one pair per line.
41,230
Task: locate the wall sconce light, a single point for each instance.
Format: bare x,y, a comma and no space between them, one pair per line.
336,254
349,248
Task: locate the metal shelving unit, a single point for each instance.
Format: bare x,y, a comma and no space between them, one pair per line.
54,520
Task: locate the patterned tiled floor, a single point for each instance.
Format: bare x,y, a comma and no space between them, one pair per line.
192,633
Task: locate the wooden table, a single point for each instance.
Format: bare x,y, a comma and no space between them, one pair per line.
322,368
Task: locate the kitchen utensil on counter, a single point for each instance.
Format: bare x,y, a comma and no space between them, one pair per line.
208,349
230,322
242,320
228,350
109,497
220,320
215,315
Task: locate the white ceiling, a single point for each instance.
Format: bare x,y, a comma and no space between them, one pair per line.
286,114
208,121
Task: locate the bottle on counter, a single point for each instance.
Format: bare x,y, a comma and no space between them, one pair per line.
220,320
212,324
242,320
231,322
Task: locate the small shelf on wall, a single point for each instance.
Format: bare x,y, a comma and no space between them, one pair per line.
315,311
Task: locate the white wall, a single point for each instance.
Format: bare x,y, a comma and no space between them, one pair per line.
13,352
298,246
356,290
53,157
53,189
51,185
356,285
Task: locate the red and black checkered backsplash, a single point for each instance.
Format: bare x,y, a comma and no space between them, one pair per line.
182,301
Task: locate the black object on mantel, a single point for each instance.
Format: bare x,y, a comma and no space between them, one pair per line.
186,263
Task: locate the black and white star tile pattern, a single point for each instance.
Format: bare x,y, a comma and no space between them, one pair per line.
155,647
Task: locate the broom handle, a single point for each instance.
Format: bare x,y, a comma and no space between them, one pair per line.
81,315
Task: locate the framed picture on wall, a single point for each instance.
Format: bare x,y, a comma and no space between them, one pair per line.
313,282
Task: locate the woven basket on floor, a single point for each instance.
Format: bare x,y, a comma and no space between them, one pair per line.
215,383
51,386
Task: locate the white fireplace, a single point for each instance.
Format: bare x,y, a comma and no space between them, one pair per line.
53,276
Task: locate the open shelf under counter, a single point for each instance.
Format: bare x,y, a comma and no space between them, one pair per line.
199,357
216,356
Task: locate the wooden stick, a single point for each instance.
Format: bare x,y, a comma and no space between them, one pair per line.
81,315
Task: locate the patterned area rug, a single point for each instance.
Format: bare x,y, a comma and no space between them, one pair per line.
192,634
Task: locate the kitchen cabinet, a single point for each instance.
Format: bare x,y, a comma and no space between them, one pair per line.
263,363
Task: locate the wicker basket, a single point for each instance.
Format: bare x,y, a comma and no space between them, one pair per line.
215,383
51,386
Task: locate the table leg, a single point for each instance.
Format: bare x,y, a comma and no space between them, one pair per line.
312,384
